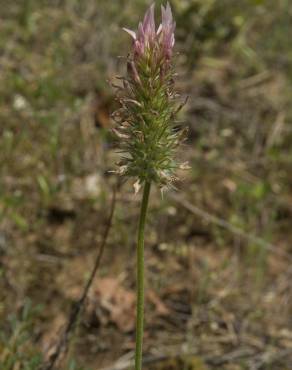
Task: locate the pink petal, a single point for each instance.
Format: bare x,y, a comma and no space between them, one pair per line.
141,33
149,22
166,15
168,27
131,33
159,29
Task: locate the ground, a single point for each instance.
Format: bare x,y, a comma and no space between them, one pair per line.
218,248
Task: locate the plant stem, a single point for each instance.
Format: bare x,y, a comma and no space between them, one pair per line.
140,278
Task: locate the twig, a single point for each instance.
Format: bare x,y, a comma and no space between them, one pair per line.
62,344
228,226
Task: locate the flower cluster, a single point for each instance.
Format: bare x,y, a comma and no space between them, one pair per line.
148,39
146,123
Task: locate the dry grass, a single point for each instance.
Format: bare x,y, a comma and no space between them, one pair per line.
218,253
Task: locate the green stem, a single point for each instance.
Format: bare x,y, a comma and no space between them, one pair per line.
140,278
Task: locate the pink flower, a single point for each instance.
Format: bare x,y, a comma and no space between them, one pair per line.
167,30
147,38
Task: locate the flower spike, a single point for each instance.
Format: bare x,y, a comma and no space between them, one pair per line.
148,103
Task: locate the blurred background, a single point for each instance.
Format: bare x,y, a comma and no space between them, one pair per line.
218,250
